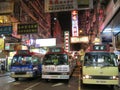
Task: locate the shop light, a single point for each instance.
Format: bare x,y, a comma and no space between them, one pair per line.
2,35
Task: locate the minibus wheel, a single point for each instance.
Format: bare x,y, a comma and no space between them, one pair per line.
16,79
66,80
112,87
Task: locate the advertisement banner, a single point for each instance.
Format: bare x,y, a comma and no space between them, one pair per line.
6,7
67,5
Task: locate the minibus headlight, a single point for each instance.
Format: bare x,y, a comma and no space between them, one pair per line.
35,68
44,73
115,77
12,72
86,76
29,72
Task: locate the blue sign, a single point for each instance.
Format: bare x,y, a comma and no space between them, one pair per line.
5,29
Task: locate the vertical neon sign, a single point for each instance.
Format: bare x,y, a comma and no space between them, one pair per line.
66,41
74,16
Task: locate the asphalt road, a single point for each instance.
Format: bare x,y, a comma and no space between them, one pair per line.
8,83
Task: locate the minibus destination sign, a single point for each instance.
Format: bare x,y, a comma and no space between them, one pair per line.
57,49
99,47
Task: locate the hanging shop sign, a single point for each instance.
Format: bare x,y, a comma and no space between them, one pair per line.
27,28
67,40
67,5
48,42
82,39
1,44
6,7
5,29
74,16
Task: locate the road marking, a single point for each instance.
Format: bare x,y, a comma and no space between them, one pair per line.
79,83
16,83
58,84
79,88
29,88
10,81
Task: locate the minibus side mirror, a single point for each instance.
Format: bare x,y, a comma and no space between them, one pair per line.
116,56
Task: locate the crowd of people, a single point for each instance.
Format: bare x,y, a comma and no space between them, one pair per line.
80,55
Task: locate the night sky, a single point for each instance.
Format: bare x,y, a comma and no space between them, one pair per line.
65,20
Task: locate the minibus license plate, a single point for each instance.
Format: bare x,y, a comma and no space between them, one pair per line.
100,81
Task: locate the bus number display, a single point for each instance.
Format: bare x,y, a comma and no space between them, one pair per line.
57,49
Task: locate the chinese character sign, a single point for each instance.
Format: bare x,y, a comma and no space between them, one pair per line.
67,5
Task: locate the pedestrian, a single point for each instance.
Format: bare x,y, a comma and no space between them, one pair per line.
2,68
81,53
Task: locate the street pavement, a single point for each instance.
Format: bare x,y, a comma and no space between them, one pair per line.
8,73
4,74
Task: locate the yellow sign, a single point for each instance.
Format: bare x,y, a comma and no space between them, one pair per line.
82,39
1,44
6,7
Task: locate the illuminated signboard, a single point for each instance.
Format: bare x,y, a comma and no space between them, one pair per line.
59,5
81,39
5,29
99,47
67,5
6,7
74,16
66,41
27,28
45,42
1,44
10,46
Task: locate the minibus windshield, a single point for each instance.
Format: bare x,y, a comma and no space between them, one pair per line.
55,59
21,60
100,59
